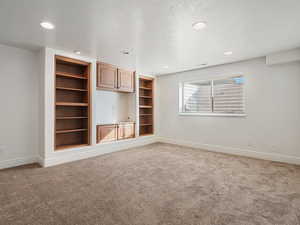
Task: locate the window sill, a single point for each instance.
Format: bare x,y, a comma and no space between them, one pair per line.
212,114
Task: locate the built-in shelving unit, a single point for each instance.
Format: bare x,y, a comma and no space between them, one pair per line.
72,103
146,105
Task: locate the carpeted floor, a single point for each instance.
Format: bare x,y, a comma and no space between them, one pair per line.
156,184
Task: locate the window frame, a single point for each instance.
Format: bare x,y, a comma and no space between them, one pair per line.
181,111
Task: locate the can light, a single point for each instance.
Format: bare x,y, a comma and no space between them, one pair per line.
199,25
47,25
228,53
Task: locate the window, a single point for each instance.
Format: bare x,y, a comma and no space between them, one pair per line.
213,97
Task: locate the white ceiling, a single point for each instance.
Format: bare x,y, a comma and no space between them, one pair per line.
157,32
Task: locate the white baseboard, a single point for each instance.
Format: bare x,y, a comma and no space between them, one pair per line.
70,155
40,160
17,162
64,157
100,149
234,151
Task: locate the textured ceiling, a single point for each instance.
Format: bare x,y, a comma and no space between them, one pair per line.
157,32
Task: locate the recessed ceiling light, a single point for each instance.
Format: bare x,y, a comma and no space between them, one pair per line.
124,52
77,52
228,53
47,25
166,67
199,25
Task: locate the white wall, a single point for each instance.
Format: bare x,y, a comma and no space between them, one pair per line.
283,57
113,107
19,98
272,125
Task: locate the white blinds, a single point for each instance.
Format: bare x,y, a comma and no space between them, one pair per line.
228,96
224,96
197,97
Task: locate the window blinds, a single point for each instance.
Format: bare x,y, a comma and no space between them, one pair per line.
224,96
197,97
228,96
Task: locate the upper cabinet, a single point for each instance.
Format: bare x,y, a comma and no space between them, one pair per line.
125,80
107,76
112,78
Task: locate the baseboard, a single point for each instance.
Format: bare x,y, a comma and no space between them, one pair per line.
40,160
114,147
17,162
100,149
234,151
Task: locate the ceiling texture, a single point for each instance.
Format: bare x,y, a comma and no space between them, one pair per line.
158,33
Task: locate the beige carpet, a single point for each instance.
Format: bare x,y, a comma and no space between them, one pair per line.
156,184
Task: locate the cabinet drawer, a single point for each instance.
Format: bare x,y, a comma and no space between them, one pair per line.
126,130
107,133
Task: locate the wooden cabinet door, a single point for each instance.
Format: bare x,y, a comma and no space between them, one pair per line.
107,133
106,76
125,80
126,130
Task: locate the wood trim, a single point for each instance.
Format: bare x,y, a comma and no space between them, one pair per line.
112,90
146,88
69,131
106,64
89,104
134,81
146,78
70,146
70,89
71,60
153,102
118,78
71,104
71,117
56,103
